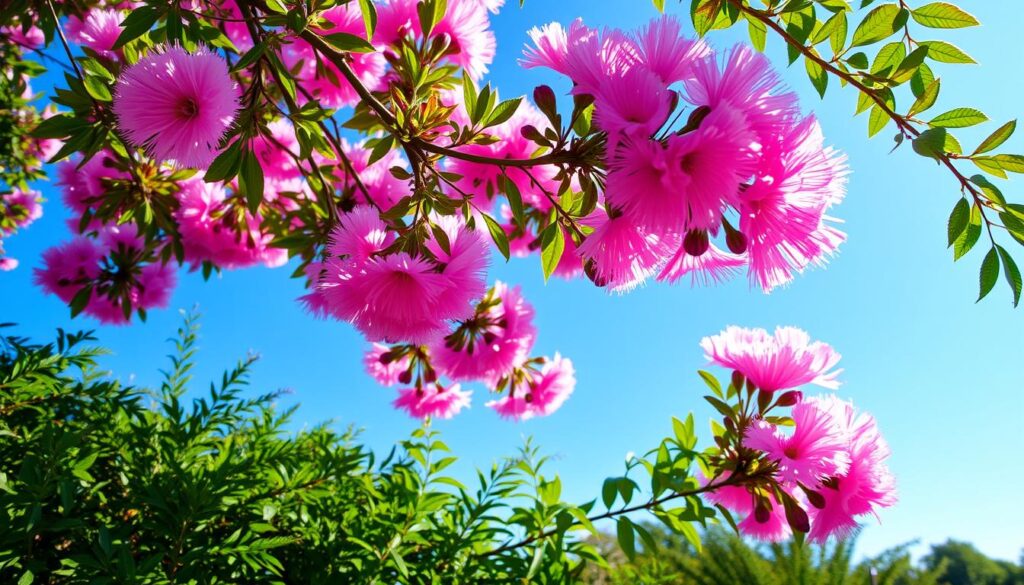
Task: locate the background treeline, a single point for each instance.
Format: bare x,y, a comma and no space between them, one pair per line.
729,559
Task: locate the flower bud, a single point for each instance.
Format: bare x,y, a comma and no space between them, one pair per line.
762,512
405,377
386,358
737,379
736,242
429,375
544,97
531,133
790,398
816,499
590,269
696,242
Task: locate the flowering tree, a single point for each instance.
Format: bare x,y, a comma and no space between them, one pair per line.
359,139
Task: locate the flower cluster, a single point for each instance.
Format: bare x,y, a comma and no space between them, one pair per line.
816,470
18,209
491,346
672,185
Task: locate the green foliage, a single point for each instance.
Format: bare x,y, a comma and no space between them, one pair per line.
959,563
105,483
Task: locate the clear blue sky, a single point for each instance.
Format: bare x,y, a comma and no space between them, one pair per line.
942,374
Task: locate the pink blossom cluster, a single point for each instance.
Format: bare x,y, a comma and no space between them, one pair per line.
744,151
112,272
493,348
828,466
18,209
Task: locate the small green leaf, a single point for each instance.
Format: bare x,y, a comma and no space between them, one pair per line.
1010,162
877,120
498,235
958,220
136,24
369,16
819,78
943,15
997,138
1012,273
989,273
626,537
959,118
251,177
348,43
944,52
970,236
502,112
879,24
926,99
758,32
552,244
931,143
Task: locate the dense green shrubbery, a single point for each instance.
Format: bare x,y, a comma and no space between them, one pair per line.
102,483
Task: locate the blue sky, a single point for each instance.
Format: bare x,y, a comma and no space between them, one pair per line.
941,373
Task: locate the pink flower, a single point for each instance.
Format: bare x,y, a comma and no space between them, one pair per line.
433,402
326,82
666,52
740,500
593,58
211,233
540,394
7,263
383,187
814,451
551,49
359,234
867,484
634,104
18,209
746,84
780,362
83,186
783,212
32,39
512,405
275,152
551,387
382,367
464,266
177,105
98,31
713,266
491,343
394,298
623,253
67,267
472,43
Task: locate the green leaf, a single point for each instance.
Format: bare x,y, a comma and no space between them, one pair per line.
609,489
944,52
369,16
958,220
552,244
966,241
959,118
931,143
226,165
497,234
877,120
997,138
1010,162
349,43
659,5
502,112
857,60
136,24
97,89
909,65
819,78
879,24
1012,274
711,381
626,537
758,32
250,56
515,200
381,148
926,99
921,79
943,15
251,176
989,273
